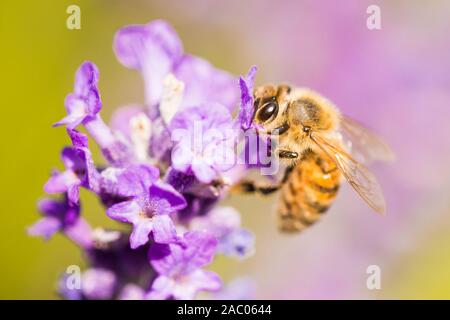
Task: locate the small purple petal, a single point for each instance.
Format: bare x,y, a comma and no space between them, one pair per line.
79,140
141,231
204,172
179,180
61,215
168,193
220,221
204,83
51,207
73,194
197,281
45,227
159,251
61,182
86,78
98,284
85,102
182,157
121,118
80,232
198,251
165,287
213,123
239,243
114,150
164,230
146,210
160,142
77,111
127,211
72,159
132,181
246,108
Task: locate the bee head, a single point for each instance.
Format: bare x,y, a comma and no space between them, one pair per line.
270,104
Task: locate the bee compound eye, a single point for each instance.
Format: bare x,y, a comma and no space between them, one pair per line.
267,111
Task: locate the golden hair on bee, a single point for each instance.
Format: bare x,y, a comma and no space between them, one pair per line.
292,114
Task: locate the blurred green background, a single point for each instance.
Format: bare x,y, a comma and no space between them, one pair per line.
39,56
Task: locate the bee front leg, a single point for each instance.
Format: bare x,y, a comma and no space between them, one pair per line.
287,154
251,186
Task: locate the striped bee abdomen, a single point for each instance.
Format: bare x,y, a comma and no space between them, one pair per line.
308,192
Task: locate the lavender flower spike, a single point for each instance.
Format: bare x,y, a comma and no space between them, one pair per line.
168,164
150,212
179,267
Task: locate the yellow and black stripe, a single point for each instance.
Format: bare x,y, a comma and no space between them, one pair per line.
308,192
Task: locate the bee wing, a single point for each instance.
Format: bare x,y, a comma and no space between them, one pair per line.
364,143
359,177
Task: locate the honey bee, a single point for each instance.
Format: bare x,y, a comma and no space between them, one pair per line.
314,142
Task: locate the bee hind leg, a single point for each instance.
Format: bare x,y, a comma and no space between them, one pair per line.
251,186
247,186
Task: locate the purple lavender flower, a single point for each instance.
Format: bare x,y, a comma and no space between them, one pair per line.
178,267
204,141
246,109
238,243
156,50
127,182
83,106
60,215
205,84
149,211
225,224
84,103
173,80
80,169
256,151
153,49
